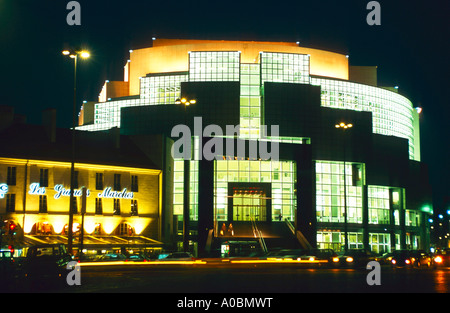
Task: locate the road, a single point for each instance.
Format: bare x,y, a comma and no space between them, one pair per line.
256,278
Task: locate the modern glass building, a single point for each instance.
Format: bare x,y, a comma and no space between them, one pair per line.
323,185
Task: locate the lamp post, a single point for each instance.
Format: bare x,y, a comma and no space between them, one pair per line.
73,55
344,127
186,192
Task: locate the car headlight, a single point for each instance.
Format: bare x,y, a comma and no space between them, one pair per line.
438,259
349,259
335,259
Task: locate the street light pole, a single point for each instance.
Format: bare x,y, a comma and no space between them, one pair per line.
344,127
74,56
186,179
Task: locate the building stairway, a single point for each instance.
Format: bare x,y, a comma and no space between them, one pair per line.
269,236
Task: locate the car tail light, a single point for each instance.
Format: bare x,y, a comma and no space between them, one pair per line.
438,259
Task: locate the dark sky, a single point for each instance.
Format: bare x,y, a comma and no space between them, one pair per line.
411,48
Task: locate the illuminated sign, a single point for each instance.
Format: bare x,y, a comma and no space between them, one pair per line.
36,189
124,194
61,191
3,190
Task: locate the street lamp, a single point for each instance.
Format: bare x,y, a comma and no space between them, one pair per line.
185,101
344,127
73,55
187,170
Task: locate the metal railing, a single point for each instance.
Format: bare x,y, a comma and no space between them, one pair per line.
298,234
258,234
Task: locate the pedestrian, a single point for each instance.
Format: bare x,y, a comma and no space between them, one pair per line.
223,230
230,230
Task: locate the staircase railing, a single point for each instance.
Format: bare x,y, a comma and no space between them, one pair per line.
299,235
258,234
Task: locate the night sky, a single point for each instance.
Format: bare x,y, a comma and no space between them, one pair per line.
411,48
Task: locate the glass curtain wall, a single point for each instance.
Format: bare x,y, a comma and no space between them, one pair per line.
379,206
250,106
330,191
161,89
214,66
284,67
280,174
392,114
335,240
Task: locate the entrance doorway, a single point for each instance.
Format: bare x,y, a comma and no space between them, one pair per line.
249,202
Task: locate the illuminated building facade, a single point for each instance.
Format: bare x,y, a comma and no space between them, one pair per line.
333,187
117,189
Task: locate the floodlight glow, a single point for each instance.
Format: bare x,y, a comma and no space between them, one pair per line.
85,54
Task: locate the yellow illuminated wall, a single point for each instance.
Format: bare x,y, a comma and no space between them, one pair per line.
147,197
172,56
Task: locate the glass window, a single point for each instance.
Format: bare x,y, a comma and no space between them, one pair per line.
11,176
116,207
10,202
42,204
99,181
117,185
134,183
134,208
98,206
43,177
330,192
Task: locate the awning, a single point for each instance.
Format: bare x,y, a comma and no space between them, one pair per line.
93,242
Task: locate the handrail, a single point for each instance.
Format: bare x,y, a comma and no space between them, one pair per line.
258,234
298,234
289,224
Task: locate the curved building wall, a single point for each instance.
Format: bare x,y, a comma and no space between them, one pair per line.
179,61
392,114
172,56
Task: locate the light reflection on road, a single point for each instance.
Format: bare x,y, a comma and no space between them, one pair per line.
442,280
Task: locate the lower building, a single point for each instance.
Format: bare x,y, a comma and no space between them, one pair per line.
117,190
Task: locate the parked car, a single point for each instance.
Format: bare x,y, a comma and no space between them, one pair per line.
442,257
111,257
355,258
285,254
43,265
7,269
327,255
137,257
178,256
